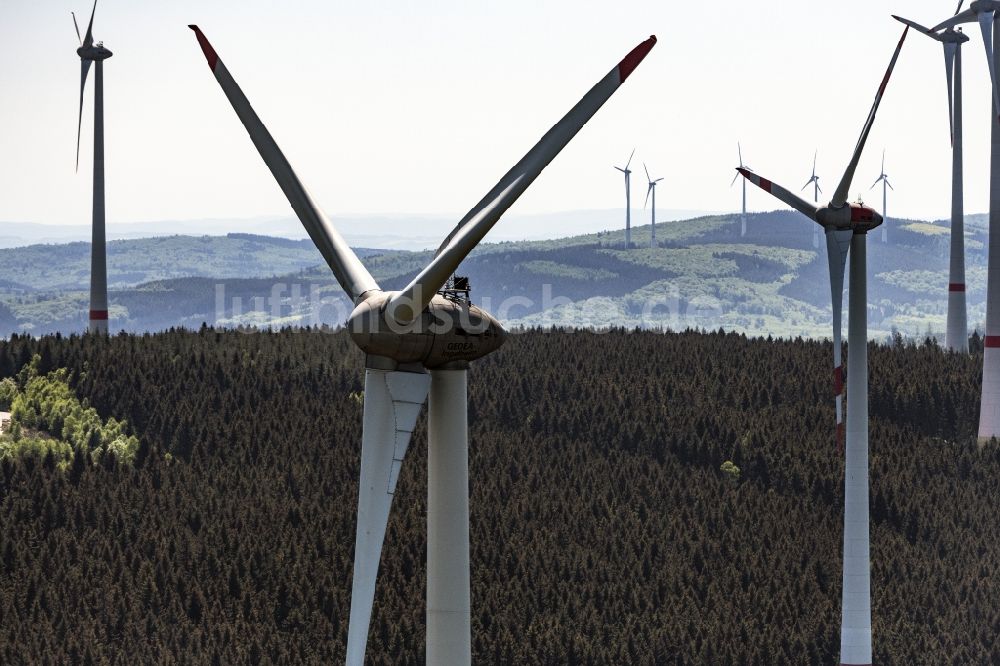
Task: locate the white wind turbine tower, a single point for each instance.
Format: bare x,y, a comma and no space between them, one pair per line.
652,219
97,54
884,179
425,327
743,214
984,12
628,201
847,226
814,181
951,39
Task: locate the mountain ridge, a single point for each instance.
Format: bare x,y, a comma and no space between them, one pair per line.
702,274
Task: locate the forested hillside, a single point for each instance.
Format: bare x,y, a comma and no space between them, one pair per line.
607,527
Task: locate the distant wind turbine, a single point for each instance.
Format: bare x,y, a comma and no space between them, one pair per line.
628,201
884,179
814,181
957,335
985,13
847,226
743,214
652,220
97,54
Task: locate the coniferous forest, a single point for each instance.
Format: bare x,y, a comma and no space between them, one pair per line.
636,498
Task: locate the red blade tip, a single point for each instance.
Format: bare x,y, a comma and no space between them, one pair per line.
210,53
635,56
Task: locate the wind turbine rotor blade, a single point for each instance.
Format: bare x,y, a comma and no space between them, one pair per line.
959,8
657,180
348,269
838,242
631,155
89,39
877,181
986,25
648,190
889,184
739,151
392,403
842,191
815,154
968,16
808,183
84,68
916,26
78,37
950,49
781,194
405,305
734,179
818,188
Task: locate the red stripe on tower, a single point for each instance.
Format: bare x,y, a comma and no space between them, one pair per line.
210,53
992,341
956,286
98,315
632,60
838,380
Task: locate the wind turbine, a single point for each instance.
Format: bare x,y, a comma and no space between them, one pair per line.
404,334
884,179
90,52
743,215
651,190
957,338
814,180
628,201
984,12
847,226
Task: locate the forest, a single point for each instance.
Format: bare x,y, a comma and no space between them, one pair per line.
636,498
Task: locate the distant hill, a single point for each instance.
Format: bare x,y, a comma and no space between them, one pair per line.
66,266
393,231
702,274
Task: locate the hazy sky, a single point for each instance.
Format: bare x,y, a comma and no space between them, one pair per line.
419,107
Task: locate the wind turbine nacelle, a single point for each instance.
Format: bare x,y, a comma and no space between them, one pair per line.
446,331
852,216
953,36
94,52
